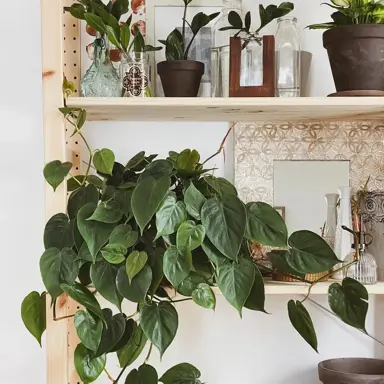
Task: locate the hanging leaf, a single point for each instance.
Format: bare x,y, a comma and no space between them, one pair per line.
114,253
85,255
104,161
139,286
204,296
107,212
135,263
124,235
220,185
96,181
235,281
74,183
159,323
194,201
190,235
349,301
256,299
156,264
124,197
147,198
81,197
133,348
157,169
190,283
33,314
58,232
265,225
94,233
278,258
170,215
145,375
103,276
89,329
128,334
302,322
181,374
213,253
310,253
57,267
224,221
84,297
177,264
55,173
88,368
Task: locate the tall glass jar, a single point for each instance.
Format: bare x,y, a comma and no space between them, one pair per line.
220,50
135,75
287,45
101,79
251,71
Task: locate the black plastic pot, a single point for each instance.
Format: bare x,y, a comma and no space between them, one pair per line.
352,371
356,56
180,78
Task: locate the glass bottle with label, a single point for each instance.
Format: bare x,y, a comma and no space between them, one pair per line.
287,47
220,50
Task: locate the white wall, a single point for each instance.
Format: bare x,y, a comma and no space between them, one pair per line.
258,349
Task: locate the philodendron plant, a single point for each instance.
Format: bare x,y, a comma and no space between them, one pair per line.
149,228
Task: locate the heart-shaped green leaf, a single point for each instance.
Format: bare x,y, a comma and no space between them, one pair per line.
159,323
174,46
194,201
204,296
349,301
84,297
135,263
136,160
114,253
220,185
224,221
132,350
183,373
302,322
74,183
145,375
58,232
278,258
88,368
103,276
124,197
96,181
265,225
137,289
157,169
147,197
107,212
177,264
85,255
124,235
80,198
104,160
94,233
187,159
190,235
310,253
190,283
128,333
170,215
256,299
57,267
156,263
235,281
212,252
33,314
55,172
89,329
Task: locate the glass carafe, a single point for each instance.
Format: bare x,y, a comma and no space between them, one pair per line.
251,61
365,269
287,45
220,50
101,79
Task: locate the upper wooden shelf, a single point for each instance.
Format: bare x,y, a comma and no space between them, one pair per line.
232,109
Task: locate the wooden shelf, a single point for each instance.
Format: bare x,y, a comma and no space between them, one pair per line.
232,109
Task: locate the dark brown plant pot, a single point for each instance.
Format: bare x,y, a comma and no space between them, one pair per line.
356,56
352,371
180,78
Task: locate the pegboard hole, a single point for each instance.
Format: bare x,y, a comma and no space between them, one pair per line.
74,25
74,38
75,65
77,168
77,155
76,142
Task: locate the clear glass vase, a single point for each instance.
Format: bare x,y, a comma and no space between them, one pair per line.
251,61
220,50
364,270
135,75
101,79
330,223
287,47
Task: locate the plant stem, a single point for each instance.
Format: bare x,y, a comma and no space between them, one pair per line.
181,300
108,375
59,318
133,315
149,354
183,28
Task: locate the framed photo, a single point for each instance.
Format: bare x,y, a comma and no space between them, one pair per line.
281,210
162,17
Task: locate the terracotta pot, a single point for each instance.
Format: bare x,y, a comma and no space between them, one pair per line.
352,371
180,78
356,56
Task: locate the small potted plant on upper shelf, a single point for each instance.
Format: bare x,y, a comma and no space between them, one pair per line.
355,44
181,77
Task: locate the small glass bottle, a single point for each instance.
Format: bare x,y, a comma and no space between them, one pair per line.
135,76
220,50
251,61
101,79
287,46
330,223
363,270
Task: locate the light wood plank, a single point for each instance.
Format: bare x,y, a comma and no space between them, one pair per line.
232,109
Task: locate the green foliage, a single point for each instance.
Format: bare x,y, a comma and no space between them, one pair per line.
33,314
89,329
88,367
55,172
350,12
181,374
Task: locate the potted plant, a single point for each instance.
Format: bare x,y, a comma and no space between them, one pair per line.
149,228
181,77
354,41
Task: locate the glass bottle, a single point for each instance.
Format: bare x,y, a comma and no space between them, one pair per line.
220,50
251,61
287,47
135,76
365,269
330,223
101,79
